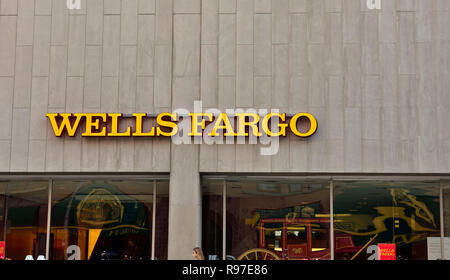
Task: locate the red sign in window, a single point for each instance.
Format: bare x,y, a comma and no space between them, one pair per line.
386,252
2,249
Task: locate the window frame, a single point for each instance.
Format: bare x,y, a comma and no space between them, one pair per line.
442,182
51,178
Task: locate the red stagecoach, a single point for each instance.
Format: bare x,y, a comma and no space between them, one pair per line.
298,239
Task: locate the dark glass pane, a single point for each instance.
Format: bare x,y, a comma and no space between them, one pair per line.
99,219
446,200
212,222
26,224
2,212
162,220
446,206
289,212
372,213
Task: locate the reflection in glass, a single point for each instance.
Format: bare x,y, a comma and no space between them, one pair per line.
25,227
212,205
320,237
2,212
94,220
273,219
446,202
370,213
273,236
162,220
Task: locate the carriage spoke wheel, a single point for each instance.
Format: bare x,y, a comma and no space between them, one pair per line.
258,254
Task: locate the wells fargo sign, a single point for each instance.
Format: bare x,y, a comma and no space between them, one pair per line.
2,249
240,124
386,252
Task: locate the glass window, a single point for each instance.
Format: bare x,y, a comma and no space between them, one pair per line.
370,213
2,213
320,238
267,219
162,220
446,200
212,205
277,215
273,236
446,216
25,226
106,219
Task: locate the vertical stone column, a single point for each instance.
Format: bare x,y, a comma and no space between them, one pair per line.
184,202
185,192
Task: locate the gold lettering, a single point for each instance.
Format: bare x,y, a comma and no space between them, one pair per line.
195,123
94,124
251,124
312,129
115,126
65,124
163,123
282,126
139,126
226,124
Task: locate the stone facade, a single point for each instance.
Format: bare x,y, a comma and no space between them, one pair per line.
378,82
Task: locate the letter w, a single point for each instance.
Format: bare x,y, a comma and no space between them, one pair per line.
65,124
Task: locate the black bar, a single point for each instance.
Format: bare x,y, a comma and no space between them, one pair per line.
262,270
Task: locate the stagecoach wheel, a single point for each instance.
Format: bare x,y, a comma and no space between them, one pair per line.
258,254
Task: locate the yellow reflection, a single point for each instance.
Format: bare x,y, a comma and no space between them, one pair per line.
93,237
295,228
422,211
335,215
318,249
